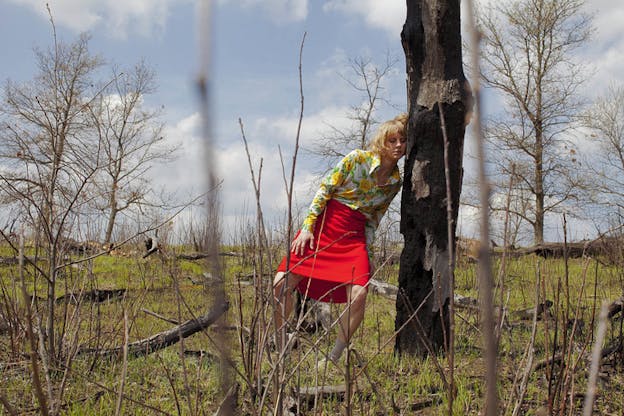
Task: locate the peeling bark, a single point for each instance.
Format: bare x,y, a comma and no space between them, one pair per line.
420,187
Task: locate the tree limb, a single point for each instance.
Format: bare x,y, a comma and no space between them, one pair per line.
166,338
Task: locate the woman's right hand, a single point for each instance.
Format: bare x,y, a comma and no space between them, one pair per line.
303,240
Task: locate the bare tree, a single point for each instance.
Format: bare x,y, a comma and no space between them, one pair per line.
606,121
131,134
527,49
367,79
438,100
49,156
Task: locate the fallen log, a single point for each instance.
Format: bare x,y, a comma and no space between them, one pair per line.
390,291
546,362
95,296
465,302
164,339
5,326
199,256
8,261
383,289
307,397
558,250
251,276
421,404
615,347
615,307
542,310
310,393
201,354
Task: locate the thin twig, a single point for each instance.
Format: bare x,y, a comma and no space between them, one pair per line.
529,354
7,405
159,316
259,289
451,264
124,368
503,263
31,337
280,381
595,363
485,272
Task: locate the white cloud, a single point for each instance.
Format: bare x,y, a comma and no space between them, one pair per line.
388,15
278,10
119,17
608,16
187,175
468,221
328,80
604,53
142,16
282,130
77,15
605,58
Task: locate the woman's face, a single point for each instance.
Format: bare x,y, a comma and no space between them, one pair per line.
395,146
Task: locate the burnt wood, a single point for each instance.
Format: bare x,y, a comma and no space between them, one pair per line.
436,84
166,338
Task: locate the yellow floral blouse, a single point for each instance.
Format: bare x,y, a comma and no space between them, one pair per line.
352,183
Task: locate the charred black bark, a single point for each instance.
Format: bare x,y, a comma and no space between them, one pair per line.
432,44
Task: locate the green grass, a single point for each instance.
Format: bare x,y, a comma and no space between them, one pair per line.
175,383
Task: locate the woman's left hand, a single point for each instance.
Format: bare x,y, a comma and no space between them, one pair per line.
304,239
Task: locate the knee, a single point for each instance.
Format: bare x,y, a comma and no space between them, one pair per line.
278,280
358,294
283,283
278,284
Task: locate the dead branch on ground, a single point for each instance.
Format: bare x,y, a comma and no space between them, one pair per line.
166,338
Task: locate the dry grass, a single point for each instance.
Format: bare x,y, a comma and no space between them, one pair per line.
183,379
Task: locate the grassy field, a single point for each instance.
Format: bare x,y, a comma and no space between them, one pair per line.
185,378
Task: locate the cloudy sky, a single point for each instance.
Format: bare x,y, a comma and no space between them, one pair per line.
254,69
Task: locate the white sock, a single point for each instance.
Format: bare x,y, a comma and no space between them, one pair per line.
339,347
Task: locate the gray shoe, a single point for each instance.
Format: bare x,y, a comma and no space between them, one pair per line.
292,342
325,363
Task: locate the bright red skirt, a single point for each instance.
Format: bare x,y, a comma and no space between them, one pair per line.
339,258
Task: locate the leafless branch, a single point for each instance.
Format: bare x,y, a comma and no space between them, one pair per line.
485,273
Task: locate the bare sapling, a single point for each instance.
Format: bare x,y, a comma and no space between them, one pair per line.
258,343
217,292
595,361
521,378
502,269
451,266
485,273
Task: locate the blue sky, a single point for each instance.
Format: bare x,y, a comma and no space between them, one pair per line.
255,72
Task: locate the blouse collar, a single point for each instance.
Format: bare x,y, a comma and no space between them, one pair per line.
395,177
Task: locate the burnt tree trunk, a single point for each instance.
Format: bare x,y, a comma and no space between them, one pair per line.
432,44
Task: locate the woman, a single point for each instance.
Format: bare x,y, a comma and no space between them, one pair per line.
330,257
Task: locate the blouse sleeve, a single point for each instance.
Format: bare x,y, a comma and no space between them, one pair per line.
334,179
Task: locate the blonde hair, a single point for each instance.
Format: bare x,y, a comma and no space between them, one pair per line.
391,127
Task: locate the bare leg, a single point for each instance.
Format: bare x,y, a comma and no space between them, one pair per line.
348,322
283,286
352,317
